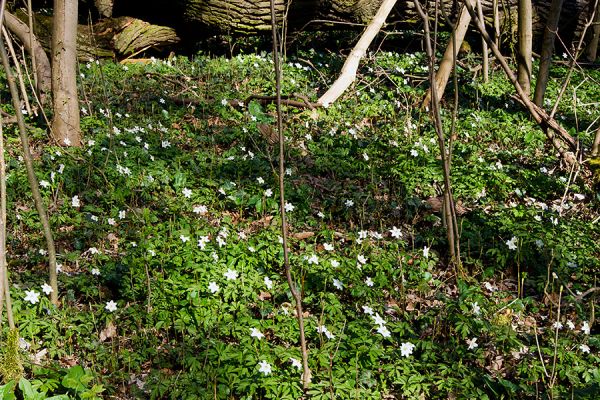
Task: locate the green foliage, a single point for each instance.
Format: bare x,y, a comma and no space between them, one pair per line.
167,226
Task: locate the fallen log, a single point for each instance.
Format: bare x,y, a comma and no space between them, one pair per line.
245,16
116,38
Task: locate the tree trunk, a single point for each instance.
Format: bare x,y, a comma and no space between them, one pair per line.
591,51
236,15
547,51
65,124
134,35
484,47
246,16
525,45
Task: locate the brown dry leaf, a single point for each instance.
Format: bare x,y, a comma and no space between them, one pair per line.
451,290
114,242
266,221
214,121
497,363
108,332
529,322
264,296
269,133
69,361
551,299
410,306
305,314
303,235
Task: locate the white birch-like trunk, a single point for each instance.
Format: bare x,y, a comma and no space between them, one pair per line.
348,74
447,62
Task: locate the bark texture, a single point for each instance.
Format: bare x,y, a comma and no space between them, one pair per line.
133,35
525,45
591,51
547,51
65,123
254,16
109,38
237,15
246,16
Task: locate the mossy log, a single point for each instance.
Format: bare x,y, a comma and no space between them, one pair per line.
109,38
135,35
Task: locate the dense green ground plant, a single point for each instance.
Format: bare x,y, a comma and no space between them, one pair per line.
171,280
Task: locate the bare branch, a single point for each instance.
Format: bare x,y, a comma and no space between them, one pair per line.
549,125
306,375
348,74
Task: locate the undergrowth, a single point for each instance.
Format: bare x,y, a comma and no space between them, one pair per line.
167,228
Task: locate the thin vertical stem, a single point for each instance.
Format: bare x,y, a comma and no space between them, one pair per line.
3,266
306,375
31,34
449,208
553,374
573,61
2,283
33,182
496,16
11,50
484,47
596,145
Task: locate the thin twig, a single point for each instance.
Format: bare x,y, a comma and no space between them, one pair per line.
13,54
31,41
573,61
306,375
549,125
553,375
33,182
4,284
537,342
572,178
449,206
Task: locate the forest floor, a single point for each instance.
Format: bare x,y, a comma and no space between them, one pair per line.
168,232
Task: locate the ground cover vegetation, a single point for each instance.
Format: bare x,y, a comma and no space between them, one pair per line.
167,230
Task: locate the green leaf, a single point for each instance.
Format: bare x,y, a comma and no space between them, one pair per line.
255,109
529,137
76,379
7,391
29,392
